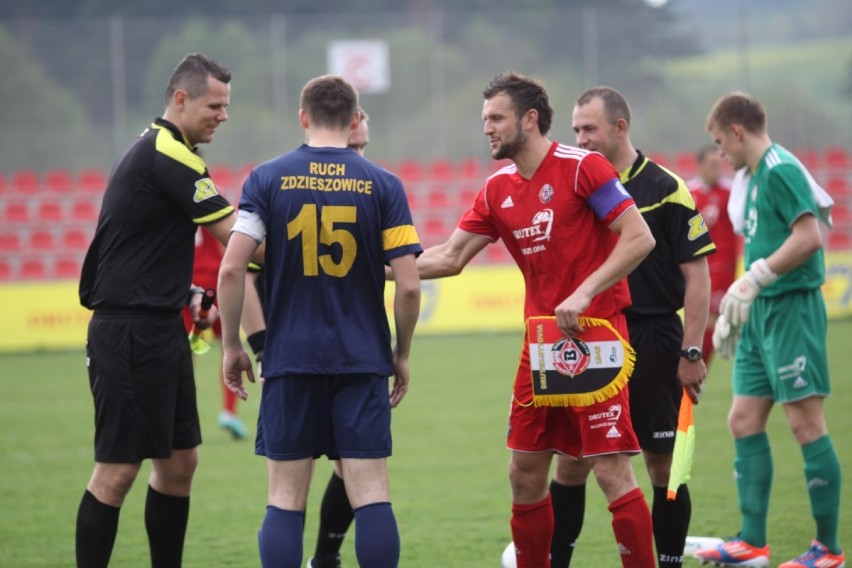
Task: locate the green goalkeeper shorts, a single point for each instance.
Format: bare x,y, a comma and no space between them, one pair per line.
781,353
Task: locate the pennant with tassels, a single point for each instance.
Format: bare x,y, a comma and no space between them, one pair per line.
577,371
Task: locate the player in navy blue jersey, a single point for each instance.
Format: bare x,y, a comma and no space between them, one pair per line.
331,220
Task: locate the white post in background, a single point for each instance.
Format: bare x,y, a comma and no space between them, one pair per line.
119,82
590,44
278,51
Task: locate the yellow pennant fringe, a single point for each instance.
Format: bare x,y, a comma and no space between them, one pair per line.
603,394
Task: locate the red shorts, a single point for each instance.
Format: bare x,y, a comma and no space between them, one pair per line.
577,431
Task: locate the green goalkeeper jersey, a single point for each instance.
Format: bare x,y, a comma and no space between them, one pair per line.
778,195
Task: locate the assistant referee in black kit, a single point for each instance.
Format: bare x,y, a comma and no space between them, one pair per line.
137,277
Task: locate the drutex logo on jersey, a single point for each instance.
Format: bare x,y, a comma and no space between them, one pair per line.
204,189
327,177
542,225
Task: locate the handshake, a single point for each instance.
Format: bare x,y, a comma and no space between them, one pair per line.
736,304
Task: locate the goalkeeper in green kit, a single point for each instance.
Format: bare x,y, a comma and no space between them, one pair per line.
773,319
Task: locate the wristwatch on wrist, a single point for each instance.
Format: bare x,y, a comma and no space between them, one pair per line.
693,354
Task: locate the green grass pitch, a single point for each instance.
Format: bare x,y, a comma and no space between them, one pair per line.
448,473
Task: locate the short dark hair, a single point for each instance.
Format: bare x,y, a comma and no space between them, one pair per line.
614,103
526,93
705,151
329,101
191,75
738,108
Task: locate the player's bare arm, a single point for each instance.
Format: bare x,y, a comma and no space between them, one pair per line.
696,305
634,243
804,240
406,310
232,278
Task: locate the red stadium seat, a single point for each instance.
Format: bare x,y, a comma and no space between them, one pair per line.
809,158
438,198
92,180
837,188
16,212
836,157
33,269
84,210
839,240
466,195
409,170
441,169
10,241
413,201
6,272
471,168
659,158
25,181
67,268
4,184
76,239
58,181
435,228
686,164
50,211
41,240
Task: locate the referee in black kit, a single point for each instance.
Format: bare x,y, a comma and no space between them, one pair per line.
136,277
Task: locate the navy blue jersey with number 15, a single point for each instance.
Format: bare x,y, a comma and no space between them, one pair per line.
333,220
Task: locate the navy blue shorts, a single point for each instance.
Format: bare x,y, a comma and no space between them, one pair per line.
655,390
303,416
141,377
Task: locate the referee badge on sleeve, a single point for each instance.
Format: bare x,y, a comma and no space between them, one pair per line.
577,371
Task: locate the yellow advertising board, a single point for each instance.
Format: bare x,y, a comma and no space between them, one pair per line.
483,299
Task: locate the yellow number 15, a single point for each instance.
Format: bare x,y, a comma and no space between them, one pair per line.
305,224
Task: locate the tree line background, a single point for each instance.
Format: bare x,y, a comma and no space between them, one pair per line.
80,78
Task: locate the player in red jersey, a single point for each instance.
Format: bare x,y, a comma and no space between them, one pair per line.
575,234
205,272
710,190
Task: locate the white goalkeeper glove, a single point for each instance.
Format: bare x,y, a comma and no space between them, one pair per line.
737,301
725,337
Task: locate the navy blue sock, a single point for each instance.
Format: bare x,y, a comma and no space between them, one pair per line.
280,538
97,525
376,536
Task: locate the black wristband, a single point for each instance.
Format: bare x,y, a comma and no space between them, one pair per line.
256,341
193,290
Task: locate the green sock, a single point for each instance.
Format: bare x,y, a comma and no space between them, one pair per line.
822,474
753,469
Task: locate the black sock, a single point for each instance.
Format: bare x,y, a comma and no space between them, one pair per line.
335,517
569,507
671,525
165,520
97,525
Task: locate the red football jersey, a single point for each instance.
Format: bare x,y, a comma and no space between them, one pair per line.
555,226
712,203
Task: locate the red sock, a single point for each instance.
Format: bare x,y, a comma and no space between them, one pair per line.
532,529
634,532
229,399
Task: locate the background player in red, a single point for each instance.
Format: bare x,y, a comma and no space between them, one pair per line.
205,271
710,189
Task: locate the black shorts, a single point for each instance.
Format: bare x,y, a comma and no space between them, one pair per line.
140,374
655,390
